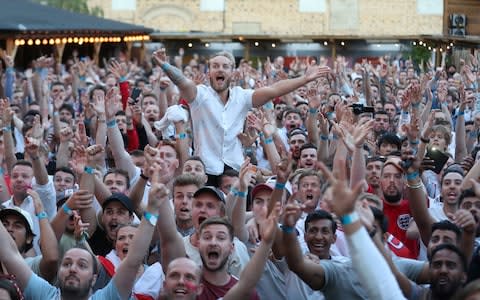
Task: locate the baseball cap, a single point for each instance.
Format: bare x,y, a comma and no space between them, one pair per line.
25,215
269,185
394,161
210,190
122,198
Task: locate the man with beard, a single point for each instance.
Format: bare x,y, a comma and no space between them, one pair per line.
78,270
296,139
382,123
308,156
373,170
448,267
396,209
218,111
184,279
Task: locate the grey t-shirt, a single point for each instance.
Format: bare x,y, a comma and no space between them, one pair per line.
341,281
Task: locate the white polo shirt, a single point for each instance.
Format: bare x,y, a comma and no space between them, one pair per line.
216,126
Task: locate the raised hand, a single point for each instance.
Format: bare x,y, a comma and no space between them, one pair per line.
6,112
81,199
94,154
314,72
111,103
360,133
160,56
345,198
98,104
80,229
284,168
268,227
246,175
37,202
66,134
119,70
158,192
464,220
79,159
32,146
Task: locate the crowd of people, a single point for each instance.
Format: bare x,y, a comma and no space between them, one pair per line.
204,179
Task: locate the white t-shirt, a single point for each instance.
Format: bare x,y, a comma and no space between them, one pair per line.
216,126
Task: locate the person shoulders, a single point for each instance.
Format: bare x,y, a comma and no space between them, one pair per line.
110,292
38,288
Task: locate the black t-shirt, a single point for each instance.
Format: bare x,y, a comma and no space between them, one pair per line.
100,243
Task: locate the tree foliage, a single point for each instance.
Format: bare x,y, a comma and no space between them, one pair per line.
78,6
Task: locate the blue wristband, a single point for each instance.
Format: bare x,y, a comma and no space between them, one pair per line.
313,111
151,218
42,215
112,123
414,142
165,67
412,176
349,218
237,193
279,186
1,171
324,137
461,113
88,170
268,140
67,209
287,229
7,128
122,79
182,136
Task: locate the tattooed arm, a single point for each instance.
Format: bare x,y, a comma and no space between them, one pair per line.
187,87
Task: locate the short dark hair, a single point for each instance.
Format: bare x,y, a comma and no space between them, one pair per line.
66,170
307,146
451,248
94,258
119,172
97,87
320,214
291,110
66,106
447,225
196,158
390,138
22,162
381,112
217,221
467,193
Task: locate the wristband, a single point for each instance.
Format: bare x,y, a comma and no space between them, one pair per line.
88,170
418,185
237,193
416,105
87,121
56,113
414,142
111,123
82,78
287,229
122,79
268,140
144,176
324,137
181,136
165,67
313,110
34,157
42,215
152,219
261,134
67,209
6,129
349,218
279,186
1,171
412,176
461,113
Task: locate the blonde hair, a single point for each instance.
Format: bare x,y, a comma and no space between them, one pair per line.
226,54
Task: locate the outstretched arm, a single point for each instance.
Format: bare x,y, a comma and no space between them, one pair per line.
188,89
251,274
127,271
282,87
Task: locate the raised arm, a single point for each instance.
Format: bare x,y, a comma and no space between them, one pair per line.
262,95
311,273
48,242
239,201
9,147
460,134
358,158
417,197
127,271
372,270
120,155
251,274
187,87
